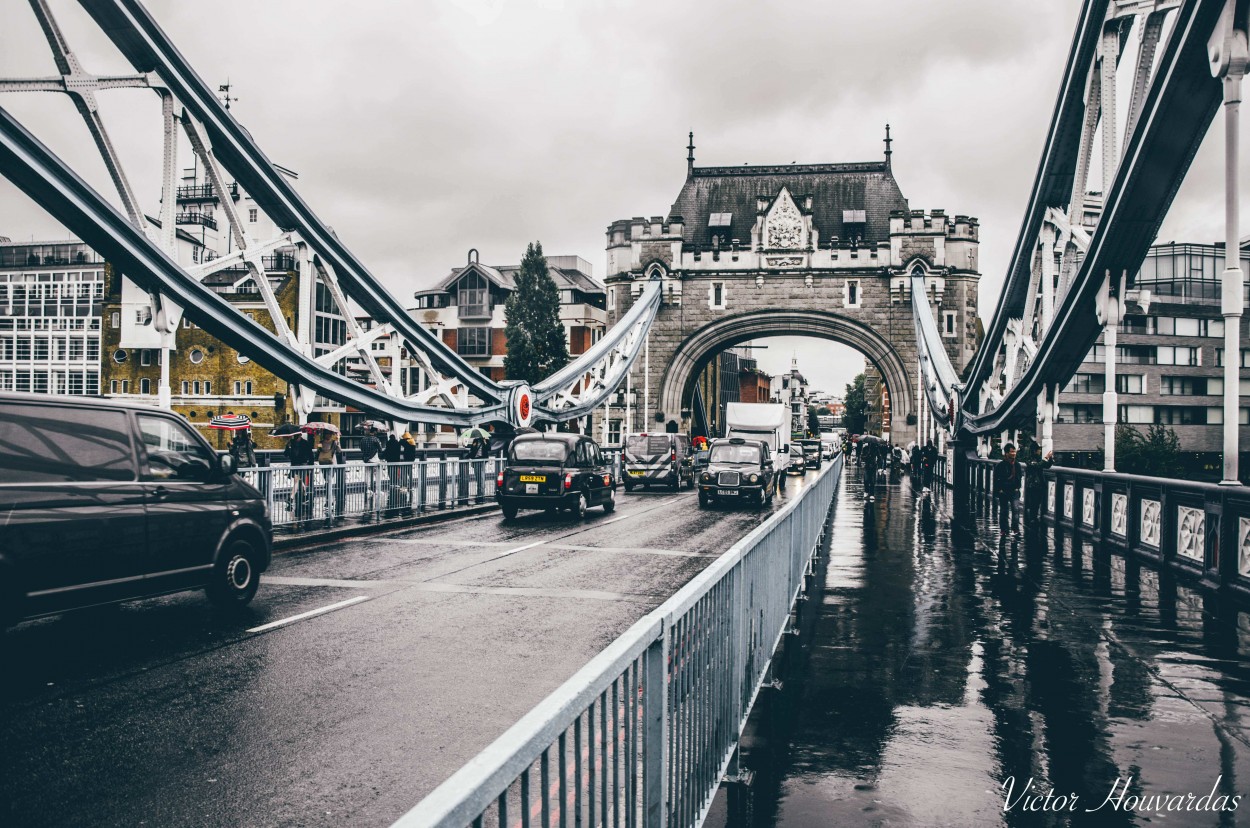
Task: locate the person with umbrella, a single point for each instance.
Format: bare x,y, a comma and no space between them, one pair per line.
299,454
330,454
478,442
242,447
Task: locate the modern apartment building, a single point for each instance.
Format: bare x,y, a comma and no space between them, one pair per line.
51,296
1169,362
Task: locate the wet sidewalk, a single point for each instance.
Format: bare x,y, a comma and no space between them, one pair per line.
946,664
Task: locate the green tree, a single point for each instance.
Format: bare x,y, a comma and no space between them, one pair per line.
856,415
1155,453
536,346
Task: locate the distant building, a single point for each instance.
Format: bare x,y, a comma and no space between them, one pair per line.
1169,363
466,309
51,296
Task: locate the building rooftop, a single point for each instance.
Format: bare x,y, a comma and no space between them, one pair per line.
834,188
568,272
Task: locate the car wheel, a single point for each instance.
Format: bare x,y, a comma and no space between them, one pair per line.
579,509
782,484
629,487
509,512
772,491
676,484
609,505
703,499
235,577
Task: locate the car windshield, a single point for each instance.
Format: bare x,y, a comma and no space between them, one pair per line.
731,453
796,451
540,452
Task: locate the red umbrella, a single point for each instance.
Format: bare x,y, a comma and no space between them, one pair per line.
313,428
231,422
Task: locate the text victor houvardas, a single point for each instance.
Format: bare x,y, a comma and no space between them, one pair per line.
1028,797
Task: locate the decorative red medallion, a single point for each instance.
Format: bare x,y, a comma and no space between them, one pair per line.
524,406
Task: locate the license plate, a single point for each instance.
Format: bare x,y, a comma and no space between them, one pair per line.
533,478
726,492
633,473
531,488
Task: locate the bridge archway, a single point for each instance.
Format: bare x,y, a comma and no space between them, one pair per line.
682,373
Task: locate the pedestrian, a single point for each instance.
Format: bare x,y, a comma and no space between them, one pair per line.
330,453
393,452
370,447
1007,480
928,462
1035,482
299,454
243,448
408,456
396,482
408,447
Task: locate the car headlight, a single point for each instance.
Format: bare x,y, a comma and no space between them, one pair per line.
755,478
705,477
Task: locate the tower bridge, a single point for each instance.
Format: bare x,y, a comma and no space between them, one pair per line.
826,250
1118,616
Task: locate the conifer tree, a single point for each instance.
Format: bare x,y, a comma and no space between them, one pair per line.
536,346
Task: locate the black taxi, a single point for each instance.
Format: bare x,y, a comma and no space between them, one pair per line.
555,471
738,469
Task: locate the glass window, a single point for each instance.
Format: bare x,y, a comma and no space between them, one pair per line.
731,453
196,356
53,444
852,293
172,452
473,296
473,341
539,451
145,386
1086,384
1130,383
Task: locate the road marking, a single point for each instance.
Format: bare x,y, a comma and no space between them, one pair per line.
309,614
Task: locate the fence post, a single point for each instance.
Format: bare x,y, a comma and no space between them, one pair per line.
462,482
422,478
442,482
655,730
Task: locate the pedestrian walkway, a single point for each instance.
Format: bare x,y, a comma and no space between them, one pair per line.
947,664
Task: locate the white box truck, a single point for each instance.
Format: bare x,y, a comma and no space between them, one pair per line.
769,422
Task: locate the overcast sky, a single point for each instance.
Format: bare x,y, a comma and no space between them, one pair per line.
420,130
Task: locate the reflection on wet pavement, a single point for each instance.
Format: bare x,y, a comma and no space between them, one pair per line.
946,665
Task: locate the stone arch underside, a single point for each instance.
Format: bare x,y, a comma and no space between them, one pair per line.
682,373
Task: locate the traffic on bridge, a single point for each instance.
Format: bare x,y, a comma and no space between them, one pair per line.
819,506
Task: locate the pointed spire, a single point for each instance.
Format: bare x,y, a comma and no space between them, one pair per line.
690,156
888,151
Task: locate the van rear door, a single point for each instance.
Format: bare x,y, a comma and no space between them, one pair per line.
74,527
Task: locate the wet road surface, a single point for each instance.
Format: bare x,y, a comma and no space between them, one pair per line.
364,673
944,659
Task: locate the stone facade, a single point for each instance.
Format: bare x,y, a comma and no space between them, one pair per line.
208,370
778,275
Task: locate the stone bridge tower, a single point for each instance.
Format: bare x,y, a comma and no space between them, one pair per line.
822,250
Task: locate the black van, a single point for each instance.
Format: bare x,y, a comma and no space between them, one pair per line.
104,502
555,471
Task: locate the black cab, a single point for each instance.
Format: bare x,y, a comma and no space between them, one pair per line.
555,471
812,453
658,458
798,458
738,469
105,502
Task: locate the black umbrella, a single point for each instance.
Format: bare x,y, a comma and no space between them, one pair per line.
285,430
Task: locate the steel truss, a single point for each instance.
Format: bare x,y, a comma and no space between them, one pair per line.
456,393
1047,315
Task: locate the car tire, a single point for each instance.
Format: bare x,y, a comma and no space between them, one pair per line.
703,499
579,508
609,505
772,492
676,484
235,576
509,512
782,485
629,487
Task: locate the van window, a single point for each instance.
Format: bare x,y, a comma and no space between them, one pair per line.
54,444
173,454
653,444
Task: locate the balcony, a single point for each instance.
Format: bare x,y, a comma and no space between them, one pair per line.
477,310
280,263
203,219
203,192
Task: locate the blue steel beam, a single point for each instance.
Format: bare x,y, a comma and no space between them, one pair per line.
1052,187
1179,108
133,30
55,187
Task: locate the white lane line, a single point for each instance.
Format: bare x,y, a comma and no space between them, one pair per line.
309,614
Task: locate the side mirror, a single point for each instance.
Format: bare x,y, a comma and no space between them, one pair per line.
227,464
785,448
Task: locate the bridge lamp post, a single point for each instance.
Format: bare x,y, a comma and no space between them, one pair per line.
1110,310
1229,55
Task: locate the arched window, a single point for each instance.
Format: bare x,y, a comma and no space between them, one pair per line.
473,296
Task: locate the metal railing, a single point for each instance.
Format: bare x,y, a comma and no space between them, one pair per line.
310,497
642,735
